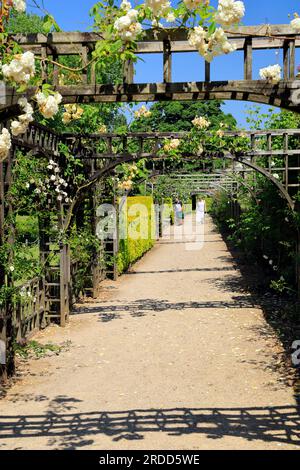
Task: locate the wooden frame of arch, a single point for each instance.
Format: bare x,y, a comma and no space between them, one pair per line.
41,140
167,42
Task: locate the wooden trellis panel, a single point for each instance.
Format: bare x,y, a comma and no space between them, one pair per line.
247,39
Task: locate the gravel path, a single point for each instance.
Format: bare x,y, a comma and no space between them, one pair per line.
175,355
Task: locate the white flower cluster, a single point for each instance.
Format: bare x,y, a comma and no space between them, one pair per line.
171,145
5,144
230,12
48,105
271,263
158,7
193,4
21,69
125,185
210,45
19,5
102,129
73,113
221,132
25,293
200,150
201,122
128,26
272,74
295,23
142,112
54,183
19,127
125,5
170,18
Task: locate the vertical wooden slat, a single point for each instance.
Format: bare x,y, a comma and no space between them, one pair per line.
55,70
248,59
128,72
3,336
269,148
286,50
44,65
292,58
167,61
93,70
207,71
286,159
84,57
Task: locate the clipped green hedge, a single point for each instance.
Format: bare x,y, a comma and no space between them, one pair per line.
209,203
130,250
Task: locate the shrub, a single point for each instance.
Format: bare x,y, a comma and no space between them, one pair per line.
133,248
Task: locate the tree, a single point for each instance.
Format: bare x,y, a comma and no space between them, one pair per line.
175,116
25,23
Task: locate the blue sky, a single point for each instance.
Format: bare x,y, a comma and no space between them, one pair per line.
72,15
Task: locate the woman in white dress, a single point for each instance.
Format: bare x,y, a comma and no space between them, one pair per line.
200,211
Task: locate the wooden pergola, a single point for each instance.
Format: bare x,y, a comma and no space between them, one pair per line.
54,290
166,42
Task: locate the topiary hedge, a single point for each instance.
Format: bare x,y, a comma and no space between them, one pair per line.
139,229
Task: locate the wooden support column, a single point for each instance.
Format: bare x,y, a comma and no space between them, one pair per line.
3,310
292,58
44,65
47,278
85,60
128,72
248,59
207,71
286,160
286,59
55,70
167,58
65,279
64,272
116,233
7,327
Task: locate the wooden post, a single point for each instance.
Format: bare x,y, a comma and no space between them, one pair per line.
286,159
65,278
3,335
167,58
248,59
292,58
286,57
297,260
128,72
84,57
207,71
55,69
7,329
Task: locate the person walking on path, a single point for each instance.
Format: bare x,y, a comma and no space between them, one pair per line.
179,215
200,211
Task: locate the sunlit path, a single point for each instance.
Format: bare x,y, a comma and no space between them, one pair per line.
173,355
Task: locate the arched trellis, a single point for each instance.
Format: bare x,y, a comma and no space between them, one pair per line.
43,141
150,146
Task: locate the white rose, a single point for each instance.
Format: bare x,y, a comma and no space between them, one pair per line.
295,24
19,5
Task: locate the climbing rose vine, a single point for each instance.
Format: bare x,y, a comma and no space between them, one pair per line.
21,69
272,74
